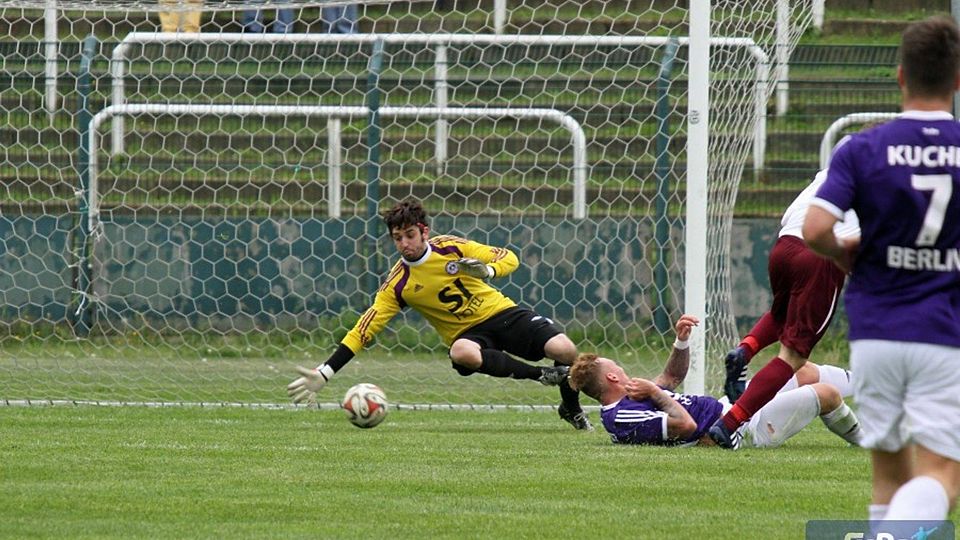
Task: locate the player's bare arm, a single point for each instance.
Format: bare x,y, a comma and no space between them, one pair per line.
679,422
818,234
679,362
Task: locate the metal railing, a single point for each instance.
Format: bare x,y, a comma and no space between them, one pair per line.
118,66
335,114
830,136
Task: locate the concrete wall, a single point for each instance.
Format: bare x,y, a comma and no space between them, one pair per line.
232,274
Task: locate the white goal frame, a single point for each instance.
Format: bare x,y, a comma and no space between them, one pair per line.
699,44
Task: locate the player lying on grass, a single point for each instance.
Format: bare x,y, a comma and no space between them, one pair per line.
639,411
444,278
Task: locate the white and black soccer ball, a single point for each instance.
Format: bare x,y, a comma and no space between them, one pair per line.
365,405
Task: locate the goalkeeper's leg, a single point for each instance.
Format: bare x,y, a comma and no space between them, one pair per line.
468,358
563,352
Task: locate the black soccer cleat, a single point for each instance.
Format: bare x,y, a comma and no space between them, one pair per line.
736,381
723,437
577,419
553,376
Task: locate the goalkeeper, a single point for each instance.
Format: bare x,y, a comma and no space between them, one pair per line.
444,278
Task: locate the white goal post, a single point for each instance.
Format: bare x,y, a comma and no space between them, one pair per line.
698,163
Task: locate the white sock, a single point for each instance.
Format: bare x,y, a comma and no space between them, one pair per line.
844,423
837,377
877,511
922,498
791,384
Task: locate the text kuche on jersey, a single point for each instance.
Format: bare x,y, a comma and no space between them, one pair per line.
927,156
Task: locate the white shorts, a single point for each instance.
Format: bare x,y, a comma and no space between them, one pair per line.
783,417
907,392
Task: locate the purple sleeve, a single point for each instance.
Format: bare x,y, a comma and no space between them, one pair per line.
641,427
837,192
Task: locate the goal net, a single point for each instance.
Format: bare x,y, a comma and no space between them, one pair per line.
187,216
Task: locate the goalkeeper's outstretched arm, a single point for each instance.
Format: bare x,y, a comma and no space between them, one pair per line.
311,381
385,306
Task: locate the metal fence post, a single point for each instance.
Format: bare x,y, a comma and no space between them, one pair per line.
80,241
373,163
661,235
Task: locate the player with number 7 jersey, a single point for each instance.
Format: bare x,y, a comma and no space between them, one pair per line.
445,279
902,179
905,176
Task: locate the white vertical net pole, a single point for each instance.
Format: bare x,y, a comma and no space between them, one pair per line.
50,51
440,101
499,16
783,55
698,108
760,129
334,164
117,72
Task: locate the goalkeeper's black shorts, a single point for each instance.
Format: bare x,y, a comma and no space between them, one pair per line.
516,330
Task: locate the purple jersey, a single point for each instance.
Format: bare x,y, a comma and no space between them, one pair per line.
641,422
903,180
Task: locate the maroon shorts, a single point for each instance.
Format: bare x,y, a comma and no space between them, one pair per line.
806,289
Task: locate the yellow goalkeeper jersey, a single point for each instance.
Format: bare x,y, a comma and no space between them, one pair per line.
449,300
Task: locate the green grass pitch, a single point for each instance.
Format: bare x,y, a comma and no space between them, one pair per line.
138,472
226,472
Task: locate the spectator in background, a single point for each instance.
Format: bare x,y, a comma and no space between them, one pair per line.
252,20
339,19
179,19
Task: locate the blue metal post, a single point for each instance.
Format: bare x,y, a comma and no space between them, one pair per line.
373,163
80,309
661,235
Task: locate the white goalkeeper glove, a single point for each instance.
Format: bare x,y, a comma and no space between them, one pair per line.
305,388
476,268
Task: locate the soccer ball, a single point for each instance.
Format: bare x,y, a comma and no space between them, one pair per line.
365,405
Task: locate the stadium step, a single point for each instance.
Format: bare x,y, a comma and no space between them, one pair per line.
827,81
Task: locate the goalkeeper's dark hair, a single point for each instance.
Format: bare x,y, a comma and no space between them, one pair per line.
930,57
405,214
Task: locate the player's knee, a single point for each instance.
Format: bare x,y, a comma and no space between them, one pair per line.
791,356
467,354
561,349
829,397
